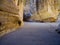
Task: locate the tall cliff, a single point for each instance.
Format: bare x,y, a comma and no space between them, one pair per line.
47,10
42,10
11,15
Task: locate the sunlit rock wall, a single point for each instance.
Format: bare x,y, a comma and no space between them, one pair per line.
47,10
10,15
59,5
21,8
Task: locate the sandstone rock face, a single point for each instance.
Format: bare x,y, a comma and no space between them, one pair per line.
8,6
47,10
21,8
10,19
59,5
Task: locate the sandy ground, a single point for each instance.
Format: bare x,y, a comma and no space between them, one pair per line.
33,34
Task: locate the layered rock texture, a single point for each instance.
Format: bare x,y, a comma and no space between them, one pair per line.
43,10
11,13
59,5
47,10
